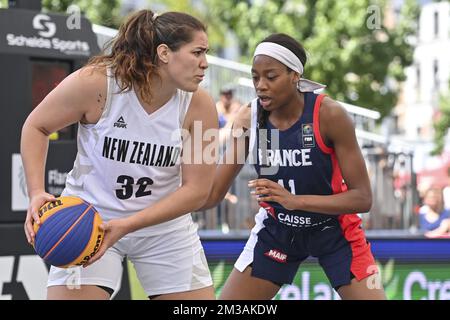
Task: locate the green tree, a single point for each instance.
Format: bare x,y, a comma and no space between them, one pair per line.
216,28
104,12
349,48
442,124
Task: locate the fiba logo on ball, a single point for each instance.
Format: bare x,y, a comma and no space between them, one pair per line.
69,233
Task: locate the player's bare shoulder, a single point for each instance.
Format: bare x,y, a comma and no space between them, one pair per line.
202,100
86,89
95,82
201,108
332,112
336,125
88,78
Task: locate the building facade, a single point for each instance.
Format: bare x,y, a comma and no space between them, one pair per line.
428,77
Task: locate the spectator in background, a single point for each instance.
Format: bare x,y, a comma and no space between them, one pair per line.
434,220
227,107
446,191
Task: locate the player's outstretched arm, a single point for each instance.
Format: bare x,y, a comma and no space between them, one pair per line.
233,159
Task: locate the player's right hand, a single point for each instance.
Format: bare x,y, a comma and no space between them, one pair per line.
37,200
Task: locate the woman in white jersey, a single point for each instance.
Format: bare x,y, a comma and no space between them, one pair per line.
131,106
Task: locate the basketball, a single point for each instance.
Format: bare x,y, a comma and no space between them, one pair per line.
69,233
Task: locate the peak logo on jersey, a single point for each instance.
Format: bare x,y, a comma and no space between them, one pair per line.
120,123
276,255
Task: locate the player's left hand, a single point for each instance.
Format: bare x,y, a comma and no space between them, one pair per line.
114,230
267,190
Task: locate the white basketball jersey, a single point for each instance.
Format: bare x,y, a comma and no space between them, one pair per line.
130,159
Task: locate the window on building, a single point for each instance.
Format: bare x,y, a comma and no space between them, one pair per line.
436,74
436,24
418,81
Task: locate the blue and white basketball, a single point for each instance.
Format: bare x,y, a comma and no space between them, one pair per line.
69,233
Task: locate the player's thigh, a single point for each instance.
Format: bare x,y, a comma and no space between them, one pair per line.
199,294
85,292
96,281
369,288
172,263
242,286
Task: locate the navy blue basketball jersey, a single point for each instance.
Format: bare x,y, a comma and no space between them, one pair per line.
299,160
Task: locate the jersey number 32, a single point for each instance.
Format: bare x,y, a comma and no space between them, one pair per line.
127,182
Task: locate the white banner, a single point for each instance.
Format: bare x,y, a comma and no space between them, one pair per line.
19,195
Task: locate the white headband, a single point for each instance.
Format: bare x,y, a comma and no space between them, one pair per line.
290,60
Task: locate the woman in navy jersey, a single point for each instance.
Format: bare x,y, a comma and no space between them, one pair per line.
136,106
312,182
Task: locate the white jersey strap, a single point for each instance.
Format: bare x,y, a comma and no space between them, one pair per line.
109,91
253,127
185,98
